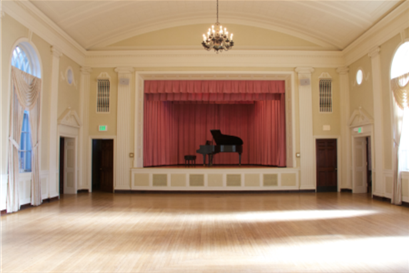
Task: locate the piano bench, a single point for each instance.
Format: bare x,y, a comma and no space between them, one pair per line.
189,158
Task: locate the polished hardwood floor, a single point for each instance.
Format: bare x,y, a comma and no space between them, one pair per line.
208,232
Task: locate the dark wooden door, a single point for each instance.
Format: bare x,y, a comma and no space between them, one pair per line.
107,165
61,165
326,165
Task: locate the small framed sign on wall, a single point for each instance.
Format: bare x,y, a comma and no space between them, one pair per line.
102,128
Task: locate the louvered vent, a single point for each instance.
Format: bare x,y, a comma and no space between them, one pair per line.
196,180
103,96
270,180
325,94
159,180
233,180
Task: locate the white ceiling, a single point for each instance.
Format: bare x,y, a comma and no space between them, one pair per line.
334,24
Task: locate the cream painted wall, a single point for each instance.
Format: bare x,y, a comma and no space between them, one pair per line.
68,95
333,118
110,118
361,95
387,51
245,36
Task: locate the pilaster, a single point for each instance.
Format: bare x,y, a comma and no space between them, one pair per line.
307,152
346,176
83,143
378,181
138,126
53,141
123,161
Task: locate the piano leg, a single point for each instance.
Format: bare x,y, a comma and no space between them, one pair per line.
204,159
239,159
211,156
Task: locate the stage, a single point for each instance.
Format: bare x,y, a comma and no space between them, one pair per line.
215,178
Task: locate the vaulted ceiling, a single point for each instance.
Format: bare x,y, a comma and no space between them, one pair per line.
327,24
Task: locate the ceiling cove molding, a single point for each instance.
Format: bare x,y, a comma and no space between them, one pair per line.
244,19
385,29
202,58
29,16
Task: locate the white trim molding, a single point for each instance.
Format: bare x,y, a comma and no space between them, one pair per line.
201,58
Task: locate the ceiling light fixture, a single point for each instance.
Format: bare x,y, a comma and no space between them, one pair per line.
218,37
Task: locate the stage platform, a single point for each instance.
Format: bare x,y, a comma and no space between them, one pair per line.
215,178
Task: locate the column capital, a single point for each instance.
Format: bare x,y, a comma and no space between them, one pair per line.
342,70
85,70
124,70
304,70
56,52
374,52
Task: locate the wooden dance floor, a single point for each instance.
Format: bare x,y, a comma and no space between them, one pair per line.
208,232
201,166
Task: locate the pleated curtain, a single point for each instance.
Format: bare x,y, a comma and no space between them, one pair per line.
25,96
400,95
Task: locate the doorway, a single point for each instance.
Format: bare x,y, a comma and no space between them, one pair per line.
326,165
102,165
362,167
67,166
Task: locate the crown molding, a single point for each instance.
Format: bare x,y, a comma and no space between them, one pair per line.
32,18
202,58
342,70
85,70
373,52
304,70
388,27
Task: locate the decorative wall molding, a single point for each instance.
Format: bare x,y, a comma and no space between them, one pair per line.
29,16
123,128
201,58
360,117
346,179
325,75
307,153
388,27
69,118
104,76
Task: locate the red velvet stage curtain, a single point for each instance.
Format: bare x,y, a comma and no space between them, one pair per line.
173,129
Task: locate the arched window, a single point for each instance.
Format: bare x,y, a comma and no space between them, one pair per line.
25,59
399,75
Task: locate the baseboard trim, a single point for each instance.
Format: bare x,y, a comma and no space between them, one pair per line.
346,190
26,206
382,198
211,191
83,191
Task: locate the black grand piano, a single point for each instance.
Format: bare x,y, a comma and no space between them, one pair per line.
224,144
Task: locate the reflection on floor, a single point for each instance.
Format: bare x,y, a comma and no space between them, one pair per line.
208,232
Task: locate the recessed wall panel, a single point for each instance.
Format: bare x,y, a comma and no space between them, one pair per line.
159,180
233,180
215,180
141,180
270,180
196,180
178,180
251,180
288,179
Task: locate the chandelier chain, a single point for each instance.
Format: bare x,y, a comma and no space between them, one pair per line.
217,12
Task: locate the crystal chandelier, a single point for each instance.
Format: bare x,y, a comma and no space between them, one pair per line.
218,37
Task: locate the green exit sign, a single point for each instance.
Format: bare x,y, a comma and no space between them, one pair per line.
102,128
359,130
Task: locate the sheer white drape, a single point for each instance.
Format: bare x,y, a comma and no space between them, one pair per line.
400,94
25,96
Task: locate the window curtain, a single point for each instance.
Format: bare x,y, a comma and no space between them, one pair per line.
25,96
401,98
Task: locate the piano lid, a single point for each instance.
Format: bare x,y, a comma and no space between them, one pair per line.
222,139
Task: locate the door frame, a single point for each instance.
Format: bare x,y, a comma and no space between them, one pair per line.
90,159
339,159
367,133
68,132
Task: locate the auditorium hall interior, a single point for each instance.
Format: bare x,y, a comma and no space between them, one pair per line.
204,136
